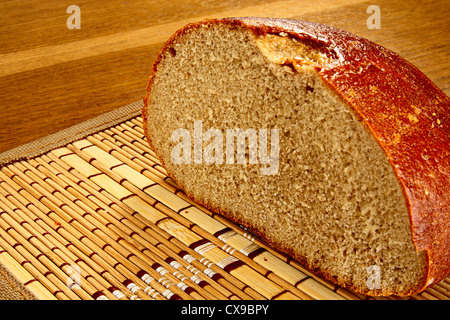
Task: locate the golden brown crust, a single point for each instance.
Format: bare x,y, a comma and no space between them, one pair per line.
405,112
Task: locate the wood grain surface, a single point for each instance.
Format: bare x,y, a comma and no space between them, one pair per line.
52,77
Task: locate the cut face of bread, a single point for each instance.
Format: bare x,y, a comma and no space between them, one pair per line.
247,127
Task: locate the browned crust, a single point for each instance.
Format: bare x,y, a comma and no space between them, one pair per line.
405,112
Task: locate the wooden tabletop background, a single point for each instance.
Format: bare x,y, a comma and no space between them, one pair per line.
52,77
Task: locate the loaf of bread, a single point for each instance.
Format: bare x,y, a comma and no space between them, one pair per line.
329,147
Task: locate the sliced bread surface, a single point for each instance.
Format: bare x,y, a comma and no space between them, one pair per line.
312,138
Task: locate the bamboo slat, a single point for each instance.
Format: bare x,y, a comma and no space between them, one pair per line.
25,277
100,219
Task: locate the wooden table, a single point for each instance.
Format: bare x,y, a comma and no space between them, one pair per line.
52,77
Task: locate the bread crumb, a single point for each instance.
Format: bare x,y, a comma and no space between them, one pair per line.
412,118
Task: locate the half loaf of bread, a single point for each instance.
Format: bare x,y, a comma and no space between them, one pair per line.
329,147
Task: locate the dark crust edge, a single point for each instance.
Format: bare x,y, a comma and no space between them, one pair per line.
400,84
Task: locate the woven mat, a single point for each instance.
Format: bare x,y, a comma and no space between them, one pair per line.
89,213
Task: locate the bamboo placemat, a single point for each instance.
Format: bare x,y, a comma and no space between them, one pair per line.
98,218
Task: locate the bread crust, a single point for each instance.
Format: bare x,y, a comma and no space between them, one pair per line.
406,113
